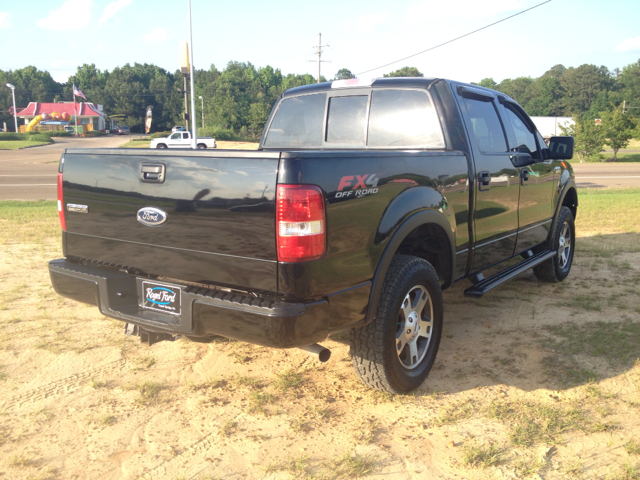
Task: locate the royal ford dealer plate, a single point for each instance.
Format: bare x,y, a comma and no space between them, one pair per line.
161,297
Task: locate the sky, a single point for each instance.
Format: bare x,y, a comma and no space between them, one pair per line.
59,35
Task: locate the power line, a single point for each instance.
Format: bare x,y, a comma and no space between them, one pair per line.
453,40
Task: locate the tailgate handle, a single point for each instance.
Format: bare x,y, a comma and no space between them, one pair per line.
152,172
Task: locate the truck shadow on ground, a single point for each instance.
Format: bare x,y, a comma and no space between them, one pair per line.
533,335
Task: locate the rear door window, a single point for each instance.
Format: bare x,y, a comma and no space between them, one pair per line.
403,118
298,123
486,126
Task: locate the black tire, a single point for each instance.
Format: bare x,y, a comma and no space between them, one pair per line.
202,146
161,145
377,353
562,240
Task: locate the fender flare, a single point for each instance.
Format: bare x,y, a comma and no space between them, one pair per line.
416,220
569,184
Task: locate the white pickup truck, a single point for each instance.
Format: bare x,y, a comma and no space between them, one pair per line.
182,140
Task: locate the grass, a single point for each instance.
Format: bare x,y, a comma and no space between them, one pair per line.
28,222
632,447
16,144
353,466
611,210
258,400
227,428
138,143
627,472
107,419
143,363
531,423
454,412
149,393
615,341
624,157
481,456
288,380
21,461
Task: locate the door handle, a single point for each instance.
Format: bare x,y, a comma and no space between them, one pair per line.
152,173
524,177
484,181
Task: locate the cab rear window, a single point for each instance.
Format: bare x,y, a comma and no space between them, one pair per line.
385,118
298,123
403,118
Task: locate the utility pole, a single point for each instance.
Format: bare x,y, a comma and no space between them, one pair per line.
319,53
186,103
194,124
185,69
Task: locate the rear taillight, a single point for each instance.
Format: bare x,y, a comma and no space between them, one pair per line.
300,223
63,224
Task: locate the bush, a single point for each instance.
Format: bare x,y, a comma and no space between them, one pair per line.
94,133
217,133
40,138
60,133
160,134
13,136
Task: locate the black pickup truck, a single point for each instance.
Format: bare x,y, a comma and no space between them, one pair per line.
364,201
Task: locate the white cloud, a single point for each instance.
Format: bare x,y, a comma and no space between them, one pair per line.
629,45
4,20
156,36
428,10
113,8
63,77
72,15
370,21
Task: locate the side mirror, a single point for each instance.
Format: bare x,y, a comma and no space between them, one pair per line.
561,148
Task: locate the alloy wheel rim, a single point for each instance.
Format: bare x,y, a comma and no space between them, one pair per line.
415,326
564,246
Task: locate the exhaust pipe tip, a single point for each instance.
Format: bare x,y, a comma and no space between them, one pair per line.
323,354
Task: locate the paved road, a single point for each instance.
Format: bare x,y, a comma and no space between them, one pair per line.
606,175
31,174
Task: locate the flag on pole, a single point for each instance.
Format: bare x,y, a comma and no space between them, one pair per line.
78,92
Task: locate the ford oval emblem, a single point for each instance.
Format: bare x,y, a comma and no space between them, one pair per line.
151,217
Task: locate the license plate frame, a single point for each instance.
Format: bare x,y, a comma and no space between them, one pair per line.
161,297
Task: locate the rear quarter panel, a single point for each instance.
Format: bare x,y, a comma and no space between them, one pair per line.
359,225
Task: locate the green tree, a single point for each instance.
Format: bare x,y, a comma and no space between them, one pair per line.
405,72
31,85
588,137
520,89
582,85
618,128
344,74
488,83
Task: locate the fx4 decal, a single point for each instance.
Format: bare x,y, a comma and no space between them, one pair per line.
357,185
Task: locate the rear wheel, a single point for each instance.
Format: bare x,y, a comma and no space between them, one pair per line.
396,351
201,146
562,241
161,145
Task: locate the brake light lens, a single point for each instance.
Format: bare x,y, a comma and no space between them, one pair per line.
63,223
300,223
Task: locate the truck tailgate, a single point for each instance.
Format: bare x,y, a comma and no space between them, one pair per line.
219,208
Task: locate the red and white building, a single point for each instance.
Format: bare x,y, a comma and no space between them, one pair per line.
87,113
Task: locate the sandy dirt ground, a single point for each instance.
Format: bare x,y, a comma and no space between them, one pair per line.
532,381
